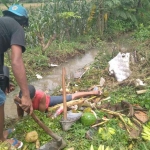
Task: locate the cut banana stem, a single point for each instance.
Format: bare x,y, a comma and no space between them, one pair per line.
118,115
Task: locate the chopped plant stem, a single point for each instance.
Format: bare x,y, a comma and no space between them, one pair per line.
98,124
118,115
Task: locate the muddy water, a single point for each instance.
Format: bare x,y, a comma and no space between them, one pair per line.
51,81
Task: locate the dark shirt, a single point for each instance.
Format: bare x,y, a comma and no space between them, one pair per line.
11,33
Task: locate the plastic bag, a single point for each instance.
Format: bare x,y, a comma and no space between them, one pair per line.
119,66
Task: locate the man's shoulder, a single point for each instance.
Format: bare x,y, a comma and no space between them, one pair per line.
10,24
6,19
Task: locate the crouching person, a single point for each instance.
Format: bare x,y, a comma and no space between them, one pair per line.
41,101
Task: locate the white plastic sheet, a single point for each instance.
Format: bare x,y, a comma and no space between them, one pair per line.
119,66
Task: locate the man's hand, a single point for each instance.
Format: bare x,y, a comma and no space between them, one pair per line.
26,105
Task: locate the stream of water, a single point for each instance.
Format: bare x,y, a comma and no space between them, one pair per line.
51,81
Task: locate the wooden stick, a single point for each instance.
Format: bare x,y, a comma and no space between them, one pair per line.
141,91
64,93
45,128
98,124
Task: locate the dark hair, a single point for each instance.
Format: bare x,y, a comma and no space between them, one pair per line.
22,20
31,91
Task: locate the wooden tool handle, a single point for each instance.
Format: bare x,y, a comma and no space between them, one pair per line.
64,93
41,124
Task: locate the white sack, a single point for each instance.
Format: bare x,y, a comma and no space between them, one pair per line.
119,66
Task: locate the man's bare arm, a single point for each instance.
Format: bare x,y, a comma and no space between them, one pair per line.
20,75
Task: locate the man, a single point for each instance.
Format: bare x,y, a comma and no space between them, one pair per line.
12,36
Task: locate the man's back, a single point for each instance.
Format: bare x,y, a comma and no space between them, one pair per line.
11,33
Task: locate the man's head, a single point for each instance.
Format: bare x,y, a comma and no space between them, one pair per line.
19,13
31,91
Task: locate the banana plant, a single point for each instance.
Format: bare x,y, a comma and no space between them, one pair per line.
101,147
